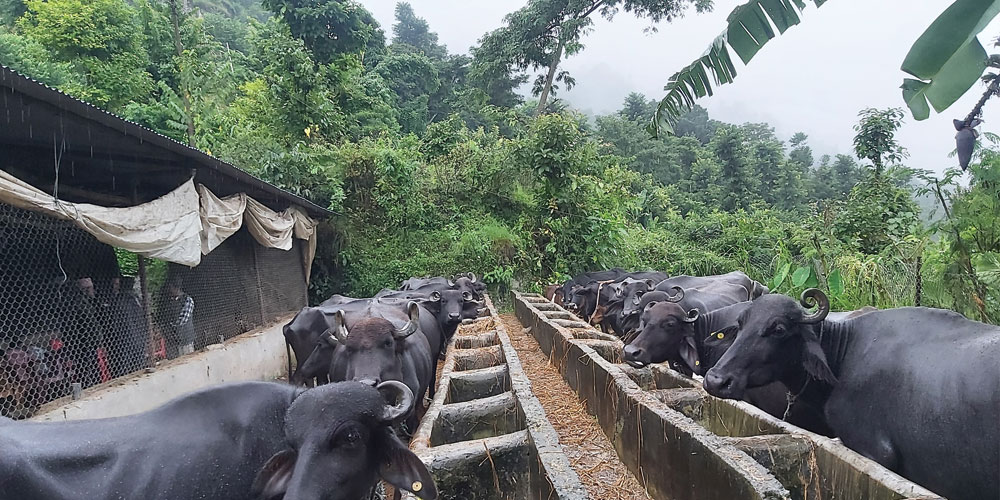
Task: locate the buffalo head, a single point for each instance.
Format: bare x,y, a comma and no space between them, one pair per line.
340,439
372,349
776,337
665,333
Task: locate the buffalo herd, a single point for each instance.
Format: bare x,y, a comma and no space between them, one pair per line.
373,358
396,335
916,389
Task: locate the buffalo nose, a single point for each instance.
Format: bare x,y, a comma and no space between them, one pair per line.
716,383
453,315
632,352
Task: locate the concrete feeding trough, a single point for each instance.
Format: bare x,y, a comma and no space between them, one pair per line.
485,436
684,444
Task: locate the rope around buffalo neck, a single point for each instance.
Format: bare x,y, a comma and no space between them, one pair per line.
597,304
789,397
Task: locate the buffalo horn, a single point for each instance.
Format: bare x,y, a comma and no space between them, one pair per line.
677,296
472,276
340,326
815,297
399,398
411,326
466,296
692,316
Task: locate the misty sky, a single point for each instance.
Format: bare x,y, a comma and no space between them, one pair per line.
815,78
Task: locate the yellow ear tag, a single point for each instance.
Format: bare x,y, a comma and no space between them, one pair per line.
696,363
416,486
720,335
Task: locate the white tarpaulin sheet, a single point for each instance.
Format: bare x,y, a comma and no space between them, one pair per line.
220,218
179,227
167,228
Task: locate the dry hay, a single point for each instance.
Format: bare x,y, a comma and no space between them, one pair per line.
589,451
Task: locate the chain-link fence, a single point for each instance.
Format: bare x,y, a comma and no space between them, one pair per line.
74,313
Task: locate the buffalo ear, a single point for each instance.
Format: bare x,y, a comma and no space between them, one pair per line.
402,469
814,360
272,479
689,353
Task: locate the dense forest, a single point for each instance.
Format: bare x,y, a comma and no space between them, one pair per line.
435,163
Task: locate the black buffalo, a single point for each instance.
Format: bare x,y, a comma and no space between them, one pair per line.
449,304
582,279
303,336
915,389
735,284
668,330
469,283
696,346
415,283
251,440
379,342
596,297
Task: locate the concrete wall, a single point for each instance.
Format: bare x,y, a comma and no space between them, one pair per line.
255,355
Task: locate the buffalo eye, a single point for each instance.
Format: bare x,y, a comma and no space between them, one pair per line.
387,343
350,438
778,330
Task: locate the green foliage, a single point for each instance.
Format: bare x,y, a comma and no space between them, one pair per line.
750,26
875,140
435,166
876,215
10,10
101,39
329,28
947,59
29,57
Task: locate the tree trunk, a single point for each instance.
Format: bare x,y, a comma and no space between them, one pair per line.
547,88
179,46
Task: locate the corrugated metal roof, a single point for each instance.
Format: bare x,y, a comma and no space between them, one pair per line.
32,88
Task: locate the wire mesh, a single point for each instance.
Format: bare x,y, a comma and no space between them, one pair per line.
70,319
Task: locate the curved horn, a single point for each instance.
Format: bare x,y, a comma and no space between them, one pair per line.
399,399
692,316
466,296
340,326
815,297
436,296
677,296
411,326
472,276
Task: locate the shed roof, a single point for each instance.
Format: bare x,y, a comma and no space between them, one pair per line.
95,156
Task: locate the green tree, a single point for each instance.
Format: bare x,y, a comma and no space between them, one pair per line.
846,174
414,31
10,10
329,28
822,181
637,107
414,78
544,32
739,187
695,123
875,140
29,57
101,39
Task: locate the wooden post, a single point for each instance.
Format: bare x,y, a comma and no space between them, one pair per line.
260,289
144,287
144,290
